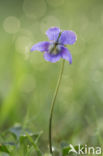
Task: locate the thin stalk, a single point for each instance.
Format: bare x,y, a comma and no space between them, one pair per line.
52,105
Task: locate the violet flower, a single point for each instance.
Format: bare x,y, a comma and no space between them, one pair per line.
55,49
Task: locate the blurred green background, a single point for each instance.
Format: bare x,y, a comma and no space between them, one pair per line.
27,81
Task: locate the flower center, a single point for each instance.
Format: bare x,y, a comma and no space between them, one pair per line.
54,48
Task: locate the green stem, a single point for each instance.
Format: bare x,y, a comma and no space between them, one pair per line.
52,105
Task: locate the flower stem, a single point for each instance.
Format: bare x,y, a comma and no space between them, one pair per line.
52,105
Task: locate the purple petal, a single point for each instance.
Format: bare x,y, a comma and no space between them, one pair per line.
65,54
52,58
41,46
68,37
53,33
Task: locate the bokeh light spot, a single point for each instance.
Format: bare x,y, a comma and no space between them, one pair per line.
49,21
11,24
23,45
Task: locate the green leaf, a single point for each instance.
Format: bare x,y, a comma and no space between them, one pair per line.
3,148
20,134
66,150
26,139
47,154
39,153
